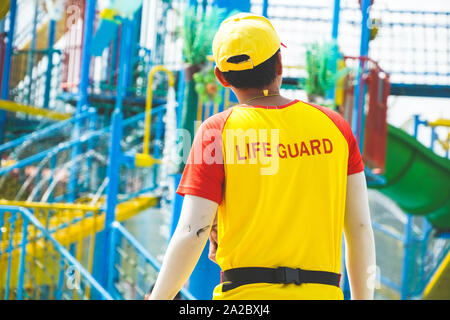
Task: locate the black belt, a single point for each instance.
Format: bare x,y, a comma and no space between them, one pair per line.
234,278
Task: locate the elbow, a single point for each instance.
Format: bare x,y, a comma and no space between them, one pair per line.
192,236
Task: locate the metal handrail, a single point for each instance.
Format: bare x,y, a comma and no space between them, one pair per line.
45,131
118,228
71,143
29,217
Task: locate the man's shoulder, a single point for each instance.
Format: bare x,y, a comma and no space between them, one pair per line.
335,117
218,120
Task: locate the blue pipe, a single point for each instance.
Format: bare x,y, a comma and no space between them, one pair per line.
90,146
334,35
12,220
1,228
240,5
135,244
417,123
32,51
158,138
346,284
379,227
59,288
48,74
43,154
358,107
112,261
86,56
44,132
336,12
50,181
7,64
389,283
265,7
180,95
115,153
22,259
112,191
407,243
426,229
82,90
72,143
433,138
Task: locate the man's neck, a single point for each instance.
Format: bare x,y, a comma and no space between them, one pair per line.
255,97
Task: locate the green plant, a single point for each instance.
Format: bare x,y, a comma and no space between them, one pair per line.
321,61
198,33
207,86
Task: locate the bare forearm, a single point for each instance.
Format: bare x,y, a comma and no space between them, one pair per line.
360,244
361,264
180,259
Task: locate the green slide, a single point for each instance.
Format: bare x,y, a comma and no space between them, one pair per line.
417,179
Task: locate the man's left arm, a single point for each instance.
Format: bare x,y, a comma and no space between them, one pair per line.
185,247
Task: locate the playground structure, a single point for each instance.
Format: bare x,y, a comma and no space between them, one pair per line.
88,138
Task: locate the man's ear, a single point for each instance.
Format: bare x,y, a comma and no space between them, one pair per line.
279,65
220,77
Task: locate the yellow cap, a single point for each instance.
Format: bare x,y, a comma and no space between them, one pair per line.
244,33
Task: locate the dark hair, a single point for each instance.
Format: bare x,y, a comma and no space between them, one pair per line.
258,77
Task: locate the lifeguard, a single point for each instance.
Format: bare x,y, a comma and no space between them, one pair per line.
279,232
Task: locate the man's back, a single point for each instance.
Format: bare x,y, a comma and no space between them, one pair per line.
283,193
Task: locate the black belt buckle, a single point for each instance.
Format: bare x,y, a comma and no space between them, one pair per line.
288,275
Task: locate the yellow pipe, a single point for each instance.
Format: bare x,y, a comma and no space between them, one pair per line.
56,206
226,102
294,67
438,275
207,111
4,9
148,103
199,111
17,107
445,143
439,123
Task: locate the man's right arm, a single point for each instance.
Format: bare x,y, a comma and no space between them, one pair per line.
359,240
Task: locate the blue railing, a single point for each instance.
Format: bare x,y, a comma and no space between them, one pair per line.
132,269
89,178
39,269
47,131
84,139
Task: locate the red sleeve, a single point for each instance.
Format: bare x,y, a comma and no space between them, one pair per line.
204,173
355,162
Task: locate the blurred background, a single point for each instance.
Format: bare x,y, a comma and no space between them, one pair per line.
92,95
